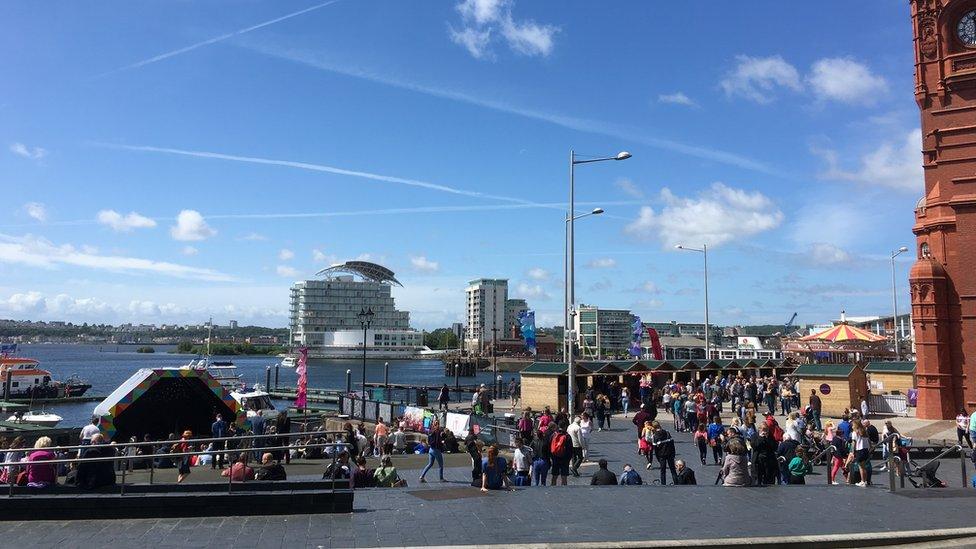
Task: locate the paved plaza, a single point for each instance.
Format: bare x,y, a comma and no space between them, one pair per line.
453,513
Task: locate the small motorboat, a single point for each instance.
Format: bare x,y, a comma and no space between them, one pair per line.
44,419
289,361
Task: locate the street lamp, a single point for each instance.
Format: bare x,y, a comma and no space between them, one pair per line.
704,251
365,318
894,300
569,267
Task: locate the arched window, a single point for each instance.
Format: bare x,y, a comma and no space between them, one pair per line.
924,250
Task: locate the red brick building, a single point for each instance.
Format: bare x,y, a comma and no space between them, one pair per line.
943,279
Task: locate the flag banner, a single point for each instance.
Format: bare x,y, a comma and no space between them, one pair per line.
656,349
301,398
7,349
636,333
527,322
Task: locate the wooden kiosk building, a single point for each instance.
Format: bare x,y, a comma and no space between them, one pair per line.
546,383
839,386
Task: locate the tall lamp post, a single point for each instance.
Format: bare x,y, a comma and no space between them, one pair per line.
708,339
894,300
570,269
365,318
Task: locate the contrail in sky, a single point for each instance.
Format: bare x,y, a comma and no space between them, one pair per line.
323,168
615,131
215,39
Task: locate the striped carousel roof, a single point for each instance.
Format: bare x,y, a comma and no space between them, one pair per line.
844,332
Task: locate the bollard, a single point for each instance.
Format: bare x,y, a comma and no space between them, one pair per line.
386,375
277,367
457,381
267,377
891,473
962,465
348,381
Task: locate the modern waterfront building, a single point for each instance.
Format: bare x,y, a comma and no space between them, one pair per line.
603,333
485,312
325,314
513,309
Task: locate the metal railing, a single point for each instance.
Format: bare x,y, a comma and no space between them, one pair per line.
151,458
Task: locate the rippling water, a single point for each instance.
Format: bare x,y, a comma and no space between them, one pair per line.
107,366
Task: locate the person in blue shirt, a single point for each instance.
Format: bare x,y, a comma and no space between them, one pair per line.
494,471
715,430
844,428
218,430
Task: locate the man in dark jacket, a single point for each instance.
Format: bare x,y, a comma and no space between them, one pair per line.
95,474
603,476
270,469
684,476
787,451
663,451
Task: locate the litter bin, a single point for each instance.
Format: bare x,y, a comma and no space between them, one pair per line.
422,397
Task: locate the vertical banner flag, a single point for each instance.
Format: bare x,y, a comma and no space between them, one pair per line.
301,398
527,322
636,333
655,344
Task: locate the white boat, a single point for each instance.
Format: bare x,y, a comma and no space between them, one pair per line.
225,372
288,362
44,419
255,401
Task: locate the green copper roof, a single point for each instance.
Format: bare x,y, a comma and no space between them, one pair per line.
824,370
891,367
547,368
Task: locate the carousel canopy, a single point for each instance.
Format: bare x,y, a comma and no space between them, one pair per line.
845,332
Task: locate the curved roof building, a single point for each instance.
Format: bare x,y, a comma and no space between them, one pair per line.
365,269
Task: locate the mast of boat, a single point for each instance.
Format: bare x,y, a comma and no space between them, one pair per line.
209,338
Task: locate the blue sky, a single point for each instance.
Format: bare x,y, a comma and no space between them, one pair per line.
164,162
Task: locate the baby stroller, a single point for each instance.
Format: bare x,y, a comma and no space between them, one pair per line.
924,476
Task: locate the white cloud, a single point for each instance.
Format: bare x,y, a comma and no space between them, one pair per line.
757,78
421,263
822,253
285,254
36,210
189,250
715,217
124,223
532,291
33,153
676,98
319,256
190,225
254,237
484,18
39,252
629,188
538,273
648,287
286,271
473,40
845,80
894,164
602,263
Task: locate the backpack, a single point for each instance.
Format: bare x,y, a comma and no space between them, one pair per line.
559,447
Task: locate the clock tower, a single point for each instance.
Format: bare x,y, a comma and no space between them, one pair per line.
943,278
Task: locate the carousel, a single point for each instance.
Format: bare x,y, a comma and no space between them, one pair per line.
839,344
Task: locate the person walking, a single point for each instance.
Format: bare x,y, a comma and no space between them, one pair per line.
435,452
664,451
560,450
183,446
541,461
625,399
701,440
640,418
862,449
764,457
716,438
574,435
522,463
962,428
815,407
586,427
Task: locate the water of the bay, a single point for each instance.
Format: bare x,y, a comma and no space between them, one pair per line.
107,366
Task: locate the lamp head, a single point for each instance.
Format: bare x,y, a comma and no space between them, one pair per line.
678,247
622,155
597,211
903,249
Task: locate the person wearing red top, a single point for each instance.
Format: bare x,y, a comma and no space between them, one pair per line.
182,447
239,471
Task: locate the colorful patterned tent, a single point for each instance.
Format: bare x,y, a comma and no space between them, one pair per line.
166,400
844,332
